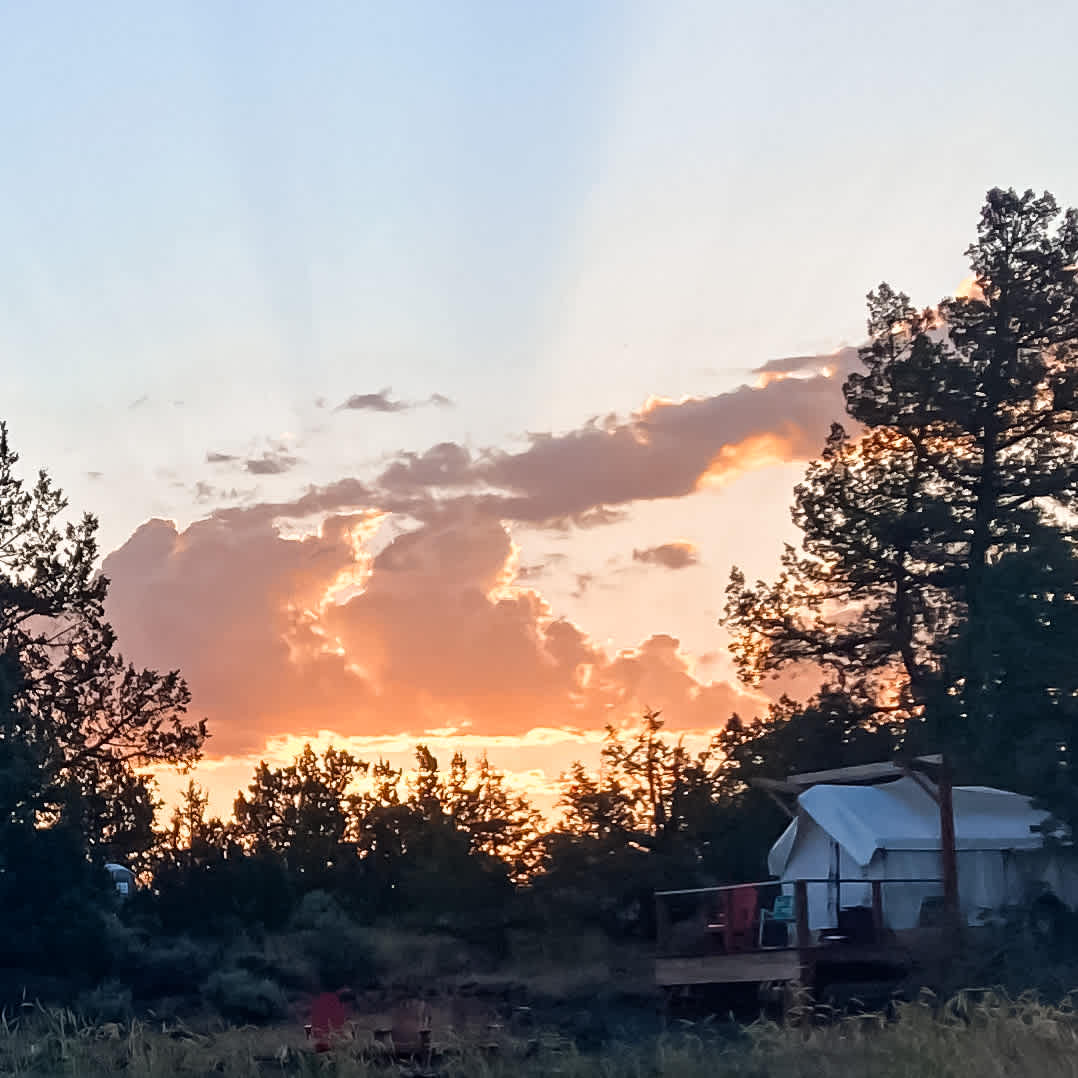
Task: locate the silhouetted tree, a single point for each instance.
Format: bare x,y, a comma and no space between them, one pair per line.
501,825
301,812
967,455
76,722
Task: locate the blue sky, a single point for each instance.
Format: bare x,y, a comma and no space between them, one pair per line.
542,211
215,216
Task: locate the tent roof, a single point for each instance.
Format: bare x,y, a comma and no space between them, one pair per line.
902,815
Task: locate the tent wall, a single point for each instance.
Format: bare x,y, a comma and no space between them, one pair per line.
892,832
812,858
987,879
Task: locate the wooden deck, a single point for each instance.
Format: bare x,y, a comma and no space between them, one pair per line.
754,966
708,957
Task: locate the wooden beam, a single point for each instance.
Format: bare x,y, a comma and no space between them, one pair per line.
923,782
781,804
948,854
777,786
851,775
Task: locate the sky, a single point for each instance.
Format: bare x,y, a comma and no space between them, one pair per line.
428,365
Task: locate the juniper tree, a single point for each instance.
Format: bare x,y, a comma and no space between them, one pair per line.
77,725
76,720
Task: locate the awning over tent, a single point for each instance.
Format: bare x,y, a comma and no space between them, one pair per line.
901,815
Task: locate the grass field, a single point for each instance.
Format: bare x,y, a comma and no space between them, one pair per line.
972,1036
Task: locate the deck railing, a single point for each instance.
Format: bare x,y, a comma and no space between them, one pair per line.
738,918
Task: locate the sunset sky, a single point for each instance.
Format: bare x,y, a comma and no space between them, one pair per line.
429,364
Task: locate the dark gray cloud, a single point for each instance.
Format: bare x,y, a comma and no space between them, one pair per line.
272,462
207,492
444,465
676,555
385,403
374,402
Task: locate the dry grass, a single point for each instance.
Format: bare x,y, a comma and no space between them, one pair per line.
975,1035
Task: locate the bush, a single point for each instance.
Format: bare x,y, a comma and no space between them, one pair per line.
108,1002
175,967
241,996
410,960
340,950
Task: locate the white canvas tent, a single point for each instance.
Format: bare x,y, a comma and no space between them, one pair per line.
892,832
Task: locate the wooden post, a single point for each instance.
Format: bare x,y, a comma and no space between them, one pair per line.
877,910
948,854
662,925
805,961
801,913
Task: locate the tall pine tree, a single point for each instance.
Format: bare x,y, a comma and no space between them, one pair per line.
964,455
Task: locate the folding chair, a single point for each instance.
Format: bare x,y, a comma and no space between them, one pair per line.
780,916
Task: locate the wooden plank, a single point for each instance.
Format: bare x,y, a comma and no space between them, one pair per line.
801,915
783,965
850,775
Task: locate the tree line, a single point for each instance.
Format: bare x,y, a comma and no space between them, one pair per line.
932,593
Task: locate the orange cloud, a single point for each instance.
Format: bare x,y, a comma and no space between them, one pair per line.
758,451
310,615
969,289
430,633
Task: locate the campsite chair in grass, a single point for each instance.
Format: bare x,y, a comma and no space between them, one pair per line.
775,923
328,1017
411,1029
742,906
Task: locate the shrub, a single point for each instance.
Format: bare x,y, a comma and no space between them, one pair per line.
340,950
175,967
108,1002
241,996
407,959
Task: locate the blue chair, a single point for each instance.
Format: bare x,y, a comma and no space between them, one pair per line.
775,923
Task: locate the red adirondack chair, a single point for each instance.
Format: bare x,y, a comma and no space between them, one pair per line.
742,908
328,1016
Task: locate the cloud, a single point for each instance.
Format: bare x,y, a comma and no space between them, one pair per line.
839,363
272,462
383,402
668,449
444,465
583,582
435,627
373,402
676,555
207,492
434,631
